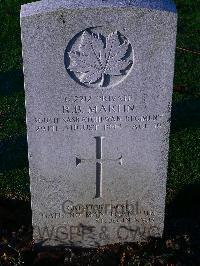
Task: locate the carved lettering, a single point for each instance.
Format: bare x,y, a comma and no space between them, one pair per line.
111,109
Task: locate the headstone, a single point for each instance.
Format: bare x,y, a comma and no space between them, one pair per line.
98,84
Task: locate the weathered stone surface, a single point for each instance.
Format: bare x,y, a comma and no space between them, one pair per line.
98,83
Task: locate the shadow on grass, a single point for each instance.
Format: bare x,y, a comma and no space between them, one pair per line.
11,81
14,214
13,153
185,114
183,213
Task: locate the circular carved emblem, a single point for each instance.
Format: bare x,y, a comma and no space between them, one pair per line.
97,60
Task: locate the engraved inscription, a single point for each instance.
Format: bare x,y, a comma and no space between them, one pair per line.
124,212
99,112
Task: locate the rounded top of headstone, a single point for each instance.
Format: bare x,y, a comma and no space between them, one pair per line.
52,5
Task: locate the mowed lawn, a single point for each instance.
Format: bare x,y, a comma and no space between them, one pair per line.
184,157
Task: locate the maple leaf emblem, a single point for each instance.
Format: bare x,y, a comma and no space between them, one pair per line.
98,57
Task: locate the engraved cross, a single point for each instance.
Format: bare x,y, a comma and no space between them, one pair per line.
99,164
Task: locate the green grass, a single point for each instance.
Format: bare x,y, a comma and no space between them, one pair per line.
184,167
187,64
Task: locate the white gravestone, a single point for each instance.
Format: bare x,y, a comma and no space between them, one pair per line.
98,84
